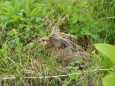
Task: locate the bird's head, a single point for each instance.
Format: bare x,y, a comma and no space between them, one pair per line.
43,40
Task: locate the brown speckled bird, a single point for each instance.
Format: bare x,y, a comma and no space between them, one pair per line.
64,47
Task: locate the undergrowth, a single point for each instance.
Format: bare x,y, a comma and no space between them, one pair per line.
23,21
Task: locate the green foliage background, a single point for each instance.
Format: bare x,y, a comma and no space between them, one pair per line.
22,21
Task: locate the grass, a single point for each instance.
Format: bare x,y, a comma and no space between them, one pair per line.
23,21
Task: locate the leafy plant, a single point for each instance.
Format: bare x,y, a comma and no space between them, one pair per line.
107,50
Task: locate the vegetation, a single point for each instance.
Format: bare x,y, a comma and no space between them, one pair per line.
21,56
105,48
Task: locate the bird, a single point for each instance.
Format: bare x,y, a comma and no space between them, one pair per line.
64,47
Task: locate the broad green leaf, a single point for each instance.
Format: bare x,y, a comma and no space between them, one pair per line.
109,80
107,50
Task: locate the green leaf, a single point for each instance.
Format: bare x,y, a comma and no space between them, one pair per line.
79,61
72,63
109,80
36,11
107,50
5,46
74,76
12,32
